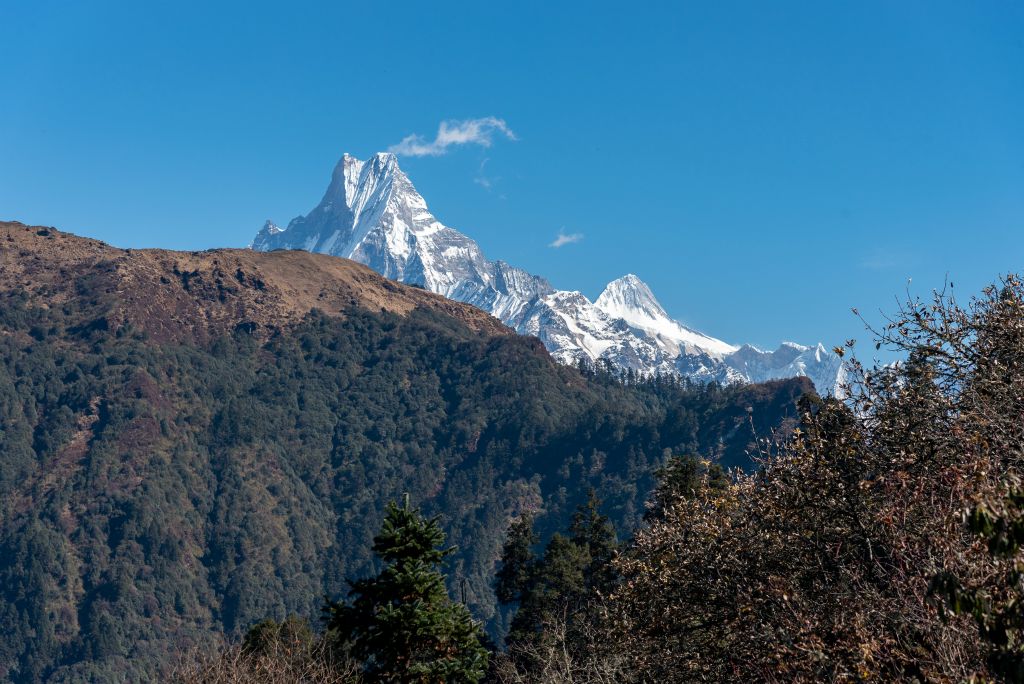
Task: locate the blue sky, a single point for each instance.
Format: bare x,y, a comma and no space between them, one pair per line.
763,166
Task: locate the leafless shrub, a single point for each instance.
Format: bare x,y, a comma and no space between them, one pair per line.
279,663
553,660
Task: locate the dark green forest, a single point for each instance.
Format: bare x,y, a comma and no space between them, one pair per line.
155,494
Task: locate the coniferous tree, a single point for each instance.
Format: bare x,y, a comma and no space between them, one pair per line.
682,478
402,624
554,589
594,533
518,561
560,586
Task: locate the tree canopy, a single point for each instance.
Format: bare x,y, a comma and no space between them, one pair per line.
402,624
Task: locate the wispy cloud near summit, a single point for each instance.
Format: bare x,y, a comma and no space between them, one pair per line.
470,132
565,239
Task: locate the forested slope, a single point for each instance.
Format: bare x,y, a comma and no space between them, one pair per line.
191,442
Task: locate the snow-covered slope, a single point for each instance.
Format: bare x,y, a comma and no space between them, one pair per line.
372,213
630,299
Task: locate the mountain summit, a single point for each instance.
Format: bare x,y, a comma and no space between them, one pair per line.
373,214
630,299
629,295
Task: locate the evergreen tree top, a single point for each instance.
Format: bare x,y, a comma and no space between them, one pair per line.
406,534
402,624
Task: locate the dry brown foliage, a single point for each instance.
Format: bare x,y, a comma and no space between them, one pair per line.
278,663
556,660
196,296
818,567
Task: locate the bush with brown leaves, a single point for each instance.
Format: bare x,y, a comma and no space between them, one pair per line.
818,567
271,654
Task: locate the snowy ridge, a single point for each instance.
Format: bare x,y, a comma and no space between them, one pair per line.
630,299
372,213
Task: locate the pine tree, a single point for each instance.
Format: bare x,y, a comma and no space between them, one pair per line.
682,478
518,561
594,533
558,587
402,624
555,590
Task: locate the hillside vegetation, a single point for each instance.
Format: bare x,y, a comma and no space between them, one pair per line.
882,542
193,442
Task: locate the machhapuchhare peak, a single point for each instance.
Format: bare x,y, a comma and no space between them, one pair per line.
373,214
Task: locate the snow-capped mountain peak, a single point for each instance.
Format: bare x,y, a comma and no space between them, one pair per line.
628,296
372,213
631,300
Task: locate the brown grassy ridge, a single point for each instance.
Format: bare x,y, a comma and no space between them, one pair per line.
179,296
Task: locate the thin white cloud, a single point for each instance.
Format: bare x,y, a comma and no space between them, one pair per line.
482,179
470,132
565,239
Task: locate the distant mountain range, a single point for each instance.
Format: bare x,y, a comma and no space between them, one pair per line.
372,213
